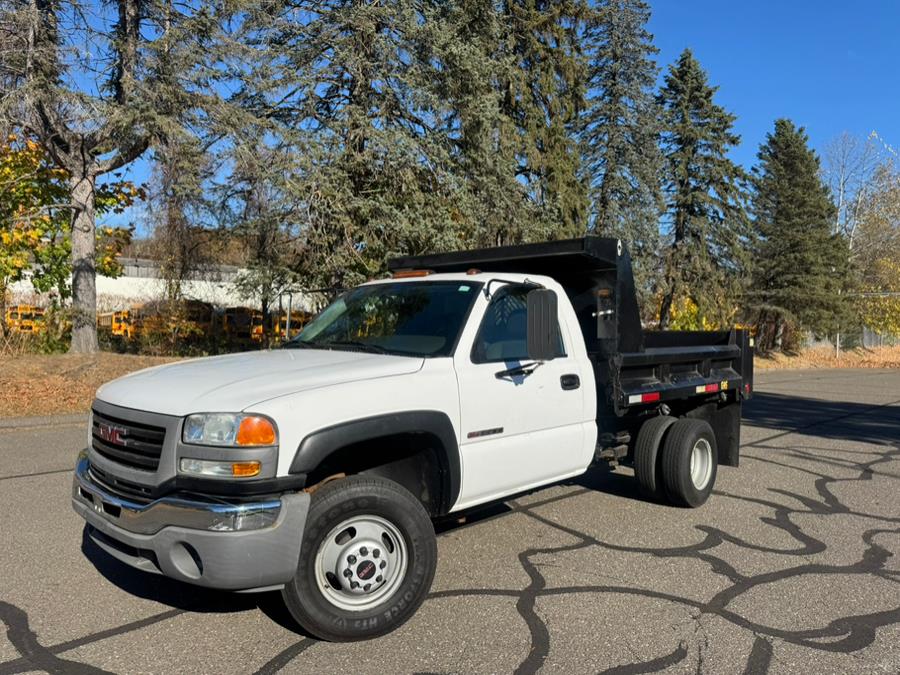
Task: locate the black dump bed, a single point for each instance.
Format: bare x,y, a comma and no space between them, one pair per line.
636,370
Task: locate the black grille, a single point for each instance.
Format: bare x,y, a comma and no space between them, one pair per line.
122,488
130,443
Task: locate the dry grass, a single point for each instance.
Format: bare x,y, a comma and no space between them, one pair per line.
65,383
823,357
39,384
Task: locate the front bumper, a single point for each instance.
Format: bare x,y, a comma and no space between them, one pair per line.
216,544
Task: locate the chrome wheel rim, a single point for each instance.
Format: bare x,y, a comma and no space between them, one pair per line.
361,563
701,463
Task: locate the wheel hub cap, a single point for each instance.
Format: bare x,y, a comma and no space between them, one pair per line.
361,562
701,463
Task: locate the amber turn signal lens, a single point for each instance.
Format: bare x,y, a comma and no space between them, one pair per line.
244,469
256,431
408,274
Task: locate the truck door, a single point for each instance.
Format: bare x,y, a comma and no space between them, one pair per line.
519,430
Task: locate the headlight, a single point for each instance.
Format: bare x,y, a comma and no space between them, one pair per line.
227,429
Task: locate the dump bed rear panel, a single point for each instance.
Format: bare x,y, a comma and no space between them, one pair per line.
677,365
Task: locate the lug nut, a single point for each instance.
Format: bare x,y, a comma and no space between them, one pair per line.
383,564
351,559
364,551
379,579
376,553
367,587
354,584
348,573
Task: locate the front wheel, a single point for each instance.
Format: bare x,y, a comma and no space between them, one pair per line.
366,561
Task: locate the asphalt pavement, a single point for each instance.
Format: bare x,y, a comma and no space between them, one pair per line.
793,566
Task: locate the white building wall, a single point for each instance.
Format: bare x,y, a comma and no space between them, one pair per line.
137,285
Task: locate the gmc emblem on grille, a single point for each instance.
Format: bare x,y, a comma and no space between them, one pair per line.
111,434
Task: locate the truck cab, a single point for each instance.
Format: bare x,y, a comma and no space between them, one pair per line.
317,468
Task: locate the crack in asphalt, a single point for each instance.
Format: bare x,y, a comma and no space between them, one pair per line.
37,473
853,633
33,653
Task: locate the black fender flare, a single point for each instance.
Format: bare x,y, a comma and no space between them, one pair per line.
318,445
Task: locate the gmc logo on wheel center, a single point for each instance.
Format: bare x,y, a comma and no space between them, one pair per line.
111,434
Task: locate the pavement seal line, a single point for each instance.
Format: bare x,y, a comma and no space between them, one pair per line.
653,665
855,632
284,657
24,663
38,657
36,473
44,421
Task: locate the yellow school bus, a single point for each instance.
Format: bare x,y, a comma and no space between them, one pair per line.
298,320
161,318
118,323
25,318
238,323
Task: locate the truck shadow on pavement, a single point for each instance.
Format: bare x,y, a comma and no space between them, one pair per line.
837,420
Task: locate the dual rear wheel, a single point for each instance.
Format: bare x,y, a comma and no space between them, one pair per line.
676,460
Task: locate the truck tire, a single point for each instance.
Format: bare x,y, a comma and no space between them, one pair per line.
647,456
367,560
689,462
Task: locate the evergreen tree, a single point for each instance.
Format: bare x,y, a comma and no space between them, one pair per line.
494,208
706,256
800,266
543,94
347,85
620,132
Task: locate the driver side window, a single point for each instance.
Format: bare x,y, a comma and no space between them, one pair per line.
503,333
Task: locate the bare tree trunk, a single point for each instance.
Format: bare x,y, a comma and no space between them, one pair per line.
84,279
779,334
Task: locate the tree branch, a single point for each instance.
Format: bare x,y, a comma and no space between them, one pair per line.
124,156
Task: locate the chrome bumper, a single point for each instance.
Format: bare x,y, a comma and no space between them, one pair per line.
236,547
169,511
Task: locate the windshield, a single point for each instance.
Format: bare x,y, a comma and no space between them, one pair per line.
409,319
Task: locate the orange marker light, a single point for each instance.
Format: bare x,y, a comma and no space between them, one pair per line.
407,274
256,431
244,469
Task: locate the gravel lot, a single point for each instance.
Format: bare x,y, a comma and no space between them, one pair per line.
793,566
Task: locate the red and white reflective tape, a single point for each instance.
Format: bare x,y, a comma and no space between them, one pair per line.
651,397
707,389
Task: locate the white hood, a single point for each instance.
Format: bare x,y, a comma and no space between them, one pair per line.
235,382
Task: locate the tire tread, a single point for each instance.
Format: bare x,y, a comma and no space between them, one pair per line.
647,451
676,461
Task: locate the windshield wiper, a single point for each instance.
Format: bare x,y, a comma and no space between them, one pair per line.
298,344
362,346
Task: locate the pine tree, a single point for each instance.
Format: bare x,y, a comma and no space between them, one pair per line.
800,266
348,85
706,256
620,132
543,94
494,207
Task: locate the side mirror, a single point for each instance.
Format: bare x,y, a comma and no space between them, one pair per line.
543,325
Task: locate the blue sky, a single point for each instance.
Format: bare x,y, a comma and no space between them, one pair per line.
829,65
